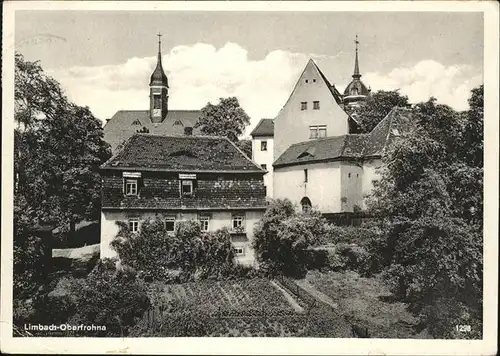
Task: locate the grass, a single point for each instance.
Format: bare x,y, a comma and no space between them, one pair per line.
366,301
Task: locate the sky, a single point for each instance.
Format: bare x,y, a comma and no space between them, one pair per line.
103,59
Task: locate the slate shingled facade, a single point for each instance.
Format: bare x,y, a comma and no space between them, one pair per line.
178,178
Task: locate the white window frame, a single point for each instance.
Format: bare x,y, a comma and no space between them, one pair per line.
133,183
263,145
316,105
170,219
238,218
204,223
316,130
133,225
188,183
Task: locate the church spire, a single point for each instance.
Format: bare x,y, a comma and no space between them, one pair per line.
158,77
356,74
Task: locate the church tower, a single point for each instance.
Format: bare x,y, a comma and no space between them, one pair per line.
356,93
158,91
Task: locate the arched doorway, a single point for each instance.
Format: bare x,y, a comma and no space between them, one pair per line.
306,204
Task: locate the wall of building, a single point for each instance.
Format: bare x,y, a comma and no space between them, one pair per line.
370,173
323,186
351,186
218,220
264,157
292,124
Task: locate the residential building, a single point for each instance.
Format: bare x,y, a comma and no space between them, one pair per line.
313,110
334,174
262,151
157,119
179,178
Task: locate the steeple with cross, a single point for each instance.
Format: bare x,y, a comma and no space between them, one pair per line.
356,93
158,91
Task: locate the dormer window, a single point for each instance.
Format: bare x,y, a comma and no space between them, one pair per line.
186,187
131,186
178,122
131,183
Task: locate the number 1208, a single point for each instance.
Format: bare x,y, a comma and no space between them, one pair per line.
463,328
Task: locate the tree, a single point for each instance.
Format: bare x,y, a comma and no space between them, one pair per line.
245,146
429,203
59,147
227,119
282,237
376,107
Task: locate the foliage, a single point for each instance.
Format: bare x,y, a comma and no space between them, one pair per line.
376,107
59,147
429,204
227,118
282,237
110,297
245,146
154,252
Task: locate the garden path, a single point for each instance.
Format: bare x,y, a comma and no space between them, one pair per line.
293,303
304,283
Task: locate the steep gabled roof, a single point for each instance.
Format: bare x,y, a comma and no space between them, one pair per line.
351,146
150,152
335,93
265,127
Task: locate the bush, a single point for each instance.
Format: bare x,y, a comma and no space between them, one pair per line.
110,297
282,237
155,254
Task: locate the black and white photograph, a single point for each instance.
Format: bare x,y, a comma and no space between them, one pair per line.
253,178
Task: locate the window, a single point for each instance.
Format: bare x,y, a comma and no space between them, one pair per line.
357,175
263,145
349,175
133,225
136,122
317,131
307,80
240,251
178,122
187,187
306,176
170,224
313,131
306,204
263,166
156,102
303,105
205,223
316,105
237,222
321,131
131,186
314,80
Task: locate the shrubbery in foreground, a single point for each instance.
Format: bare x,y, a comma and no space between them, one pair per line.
185,255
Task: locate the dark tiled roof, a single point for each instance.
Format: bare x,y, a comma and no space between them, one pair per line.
265,127
180,153
163,194
125,123
351,146
329,148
